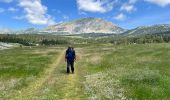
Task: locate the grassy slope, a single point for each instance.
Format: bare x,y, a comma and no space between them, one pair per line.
140,72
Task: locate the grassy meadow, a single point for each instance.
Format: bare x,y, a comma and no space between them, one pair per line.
20,66
102,72
137,72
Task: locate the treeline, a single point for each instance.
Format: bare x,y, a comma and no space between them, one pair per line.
53,42
94,35
40,39
142,39
33,39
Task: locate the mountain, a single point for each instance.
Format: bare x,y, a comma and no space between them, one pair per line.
28,31
5,31
31,31
155,29
85,25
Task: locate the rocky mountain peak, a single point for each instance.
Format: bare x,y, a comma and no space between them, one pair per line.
85,25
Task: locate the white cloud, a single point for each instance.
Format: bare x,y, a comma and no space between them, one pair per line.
100,6
11,9
128,7
36,13
2,10
132,1
161,3
82,13
65,17
18,17
6,1
120,17
56,11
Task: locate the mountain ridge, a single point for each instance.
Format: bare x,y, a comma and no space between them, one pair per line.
153,29
85,25
92,25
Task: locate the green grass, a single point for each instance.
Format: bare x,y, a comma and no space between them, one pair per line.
102,71
20,66
143,70
22,62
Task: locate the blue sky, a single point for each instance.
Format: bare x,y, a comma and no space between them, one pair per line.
21,14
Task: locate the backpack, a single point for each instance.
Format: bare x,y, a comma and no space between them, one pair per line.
70,54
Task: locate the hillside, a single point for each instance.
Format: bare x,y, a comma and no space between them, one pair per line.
85,25
5,31
155,29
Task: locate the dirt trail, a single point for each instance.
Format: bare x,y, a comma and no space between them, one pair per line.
71,85
55,84
73,88
34,86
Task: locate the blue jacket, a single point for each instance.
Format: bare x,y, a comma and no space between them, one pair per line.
70,54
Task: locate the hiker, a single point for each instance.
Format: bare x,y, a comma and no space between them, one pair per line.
70,57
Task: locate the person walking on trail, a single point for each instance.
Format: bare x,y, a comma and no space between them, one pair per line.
70,57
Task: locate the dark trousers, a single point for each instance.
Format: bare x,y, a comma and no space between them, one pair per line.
70,63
